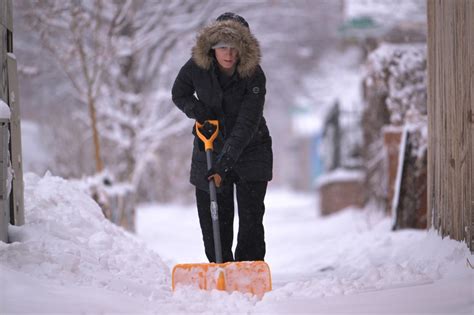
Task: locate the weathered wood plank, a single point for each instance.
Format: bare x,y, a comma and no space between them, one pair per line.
450,104
18,217
470,158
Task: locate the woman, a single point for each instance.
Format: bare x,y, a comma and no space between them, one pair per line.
223,80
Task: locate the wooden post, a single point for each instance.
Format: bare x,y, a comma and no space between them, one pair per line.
17,204
450,107
4,200
470,187
12,208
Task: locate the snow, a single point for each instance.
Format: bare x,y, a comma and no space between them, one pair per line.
4,110
67,242
68,259
11,55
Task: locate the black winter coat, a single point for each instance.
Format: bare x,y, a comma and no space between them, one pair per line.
238,106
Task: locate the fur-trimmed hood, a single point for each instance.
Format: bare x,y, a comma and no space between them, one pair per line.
233,32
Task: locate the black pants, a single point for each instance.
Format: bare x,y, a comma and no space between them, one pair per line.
251,207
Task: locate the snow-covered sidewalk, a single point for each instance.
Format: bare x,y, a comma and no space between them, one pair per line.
69,259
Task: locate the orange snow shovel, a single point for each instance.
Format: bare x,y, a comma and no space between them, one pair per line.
246,276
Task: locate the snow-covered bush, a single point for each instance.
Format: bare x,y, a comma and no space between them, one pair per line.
395,94
400,70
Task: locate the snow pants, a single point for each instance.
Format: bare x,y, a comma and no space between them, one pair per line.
251,208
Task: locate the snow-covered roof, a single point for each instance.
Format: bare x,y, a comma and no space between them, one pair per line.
340,175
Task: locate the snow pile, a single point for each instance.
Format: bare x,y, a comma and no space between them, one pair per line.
352,252
67,240
382,261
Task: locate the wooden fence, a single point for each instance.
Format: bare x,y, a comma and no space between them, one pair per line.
451,120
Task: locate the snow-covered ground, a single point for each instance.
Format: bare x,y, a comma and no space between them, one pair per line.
69,259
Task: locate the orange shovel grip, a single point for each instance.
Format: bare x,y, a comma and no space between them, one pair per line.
208,143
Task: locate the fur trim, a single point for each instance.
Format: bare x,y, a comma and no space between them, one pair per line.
229,32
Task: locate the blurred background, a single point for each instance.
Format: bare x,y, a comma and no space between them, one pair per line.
346,98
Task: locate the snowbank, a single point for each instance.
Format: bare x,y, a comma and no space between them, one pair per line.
67,241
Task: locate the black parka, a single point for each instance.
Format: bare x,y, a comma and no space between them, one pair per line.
238,105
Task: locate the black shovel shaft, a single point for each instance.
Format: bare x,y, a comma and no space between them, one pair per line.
214,212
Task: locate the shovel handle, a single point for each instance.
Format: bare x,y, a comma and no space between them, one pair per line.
209,147
208,143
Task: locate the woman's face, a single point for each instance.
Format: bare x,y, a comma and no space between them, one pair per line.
227,57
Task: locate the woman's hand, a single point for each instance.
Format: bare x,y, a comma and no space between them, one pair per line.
203,113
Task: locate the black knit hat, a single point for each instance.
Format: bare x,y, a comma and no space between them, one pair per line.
232,16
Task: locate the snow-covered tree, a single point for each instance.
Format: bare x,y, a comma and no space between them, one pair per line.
145,43
76,34
137,113
114,54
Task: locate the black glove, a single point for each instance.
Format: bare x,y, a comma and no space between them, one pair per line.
207,129
222,167
202,113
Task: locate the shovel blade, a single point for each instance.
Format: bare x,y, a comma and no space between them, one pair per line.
245,276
